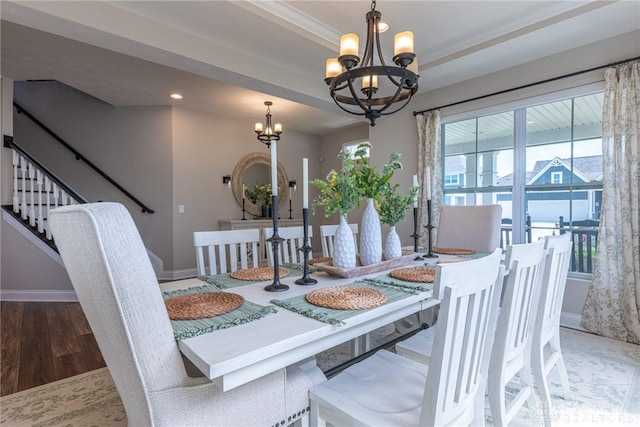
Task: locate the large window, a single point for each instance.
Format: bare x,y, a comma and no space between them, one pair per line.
542,163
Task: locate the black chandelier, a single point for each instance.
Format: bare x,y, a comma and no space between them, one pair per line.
386,89
269,132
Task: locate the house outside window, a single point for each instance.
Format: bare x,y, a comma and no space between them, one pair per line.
541,163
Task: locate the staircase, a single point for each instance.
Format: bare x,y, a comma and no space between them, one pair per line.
35,192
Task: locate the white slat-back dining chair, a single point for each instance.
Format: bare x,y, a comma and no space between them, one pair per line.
226,250
118,291
511,352
292,241
390,390
327,234
547,326
470,227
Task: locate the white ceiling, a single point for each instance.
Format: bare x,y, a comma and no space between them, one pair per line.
229,57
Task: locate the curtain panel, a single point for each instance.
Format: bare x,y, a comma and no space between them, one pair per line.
613,301
429,161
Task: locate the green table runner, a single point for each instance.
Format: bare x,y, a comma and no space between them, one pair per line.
246,313
385,279
225,281
300,305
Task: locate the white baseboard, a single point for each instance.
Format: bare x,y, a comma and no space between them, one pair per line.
571,320
37,296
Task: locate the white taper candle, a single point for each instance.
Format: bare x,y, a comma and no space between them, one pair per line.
305,183
428,183
415,184
274,169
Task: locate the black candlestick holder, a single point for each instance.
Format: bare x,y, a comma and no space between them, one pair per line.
243,210
290,217
430,227
415,234
275,241
305,279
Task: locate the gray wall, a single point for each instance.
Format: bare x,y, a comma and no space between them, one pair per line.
179,156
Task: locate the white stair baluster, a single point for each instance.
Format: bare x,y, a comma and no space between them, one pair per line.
16,199
32,208
24,167
39,181
56,195
47,188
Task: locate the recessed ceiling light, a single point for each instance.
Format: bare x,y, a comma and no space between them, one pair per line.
175,96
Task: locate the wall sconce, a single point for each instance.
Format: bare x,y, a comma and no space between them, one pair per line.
226,180
292,184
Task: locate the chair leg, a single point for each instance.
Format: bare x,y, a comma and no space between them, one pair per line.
542,386
562,369
497,404
314,416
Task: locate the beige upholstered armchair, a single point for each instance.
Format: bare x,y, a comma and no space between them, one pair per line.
118,291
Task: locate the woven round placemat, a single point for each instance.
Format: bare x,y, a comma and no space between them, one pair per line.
346,297
454,251
452,260
414,274
198,306
258,273
321,259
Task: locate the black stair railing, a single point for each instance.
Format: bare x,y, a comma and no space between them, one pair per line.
79,156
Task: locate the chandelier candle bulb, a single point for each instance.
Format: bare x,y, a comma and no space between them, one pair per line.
349,44
333,68
415,184
369,82
258,127
305,183
403,43
428,183
413,67
278,127
274,169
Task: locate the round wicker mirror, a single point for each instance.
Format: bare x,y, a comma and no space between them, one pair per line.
255,168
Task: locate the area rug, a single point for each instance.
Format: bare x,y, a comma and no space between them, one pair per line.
604,376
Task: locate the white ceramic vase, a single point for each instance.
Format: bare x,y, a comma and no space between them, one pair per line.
370,235
392,246
344,247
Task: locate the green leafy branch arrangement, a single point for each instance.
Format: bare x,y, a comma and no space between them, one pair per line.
339,192
394,204
259,194
373,183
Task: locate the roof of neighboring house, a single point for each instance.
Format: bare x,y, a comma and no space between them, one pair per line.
589,167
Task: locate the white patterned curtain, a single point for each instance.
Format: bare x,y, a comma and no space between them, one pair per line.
429,159
613,300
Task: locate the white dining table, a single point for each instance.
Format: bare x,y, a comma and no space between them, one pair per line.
240,354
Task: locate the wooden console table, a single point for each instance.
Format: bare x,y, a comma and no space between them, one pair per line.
261,224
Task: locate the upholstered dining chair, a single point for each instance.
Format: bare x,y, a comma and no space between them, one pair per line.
511,352
219,250
292,241
328,232
547,327
112,276
470,227
387,389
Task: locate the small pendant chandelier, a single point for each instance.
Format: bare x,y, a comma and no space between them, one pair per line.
385,89
269,132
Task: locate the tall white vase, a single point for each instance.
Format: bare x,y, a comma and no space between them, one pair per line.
392,246
370,235
344,247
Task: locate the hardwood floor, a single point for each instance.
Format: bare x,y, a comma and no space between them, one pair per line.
44,342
